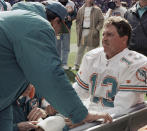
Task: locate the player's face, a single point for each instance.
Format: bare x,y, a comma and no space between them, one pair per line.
112,42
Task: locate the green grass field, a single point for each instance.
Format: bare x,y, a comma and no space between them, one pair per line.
71,59
145,98
73,38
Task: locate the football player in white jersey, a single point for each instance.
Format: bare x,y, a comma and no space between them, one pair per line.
113,78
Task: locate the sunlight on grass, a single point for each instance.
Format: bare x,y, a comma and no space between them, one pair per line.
145,98
73,36
71,59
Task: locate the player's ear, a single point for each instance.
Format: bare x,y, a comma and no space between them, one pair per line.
125,39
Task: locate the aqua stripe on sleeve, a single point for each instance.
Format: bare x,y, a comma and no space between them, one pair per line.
81,83
136,88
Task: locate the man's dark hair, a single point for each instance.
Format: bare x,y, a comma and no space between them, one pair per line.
50,15
63,2
122,26
111,5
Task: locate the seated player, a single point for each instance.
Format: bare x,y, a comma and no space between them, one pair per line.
112,78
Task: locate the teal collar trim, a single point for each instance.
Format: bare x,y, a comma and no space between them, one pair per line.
141,10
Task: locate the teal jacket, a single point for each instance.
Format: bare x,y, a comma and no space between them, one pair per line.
28,54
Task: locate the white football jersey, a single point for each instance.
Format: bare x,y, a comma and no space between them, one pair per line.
119,11
112,85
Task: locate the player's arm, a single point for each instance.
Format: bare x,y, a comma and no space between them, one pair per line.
131,88
82,93
81,85
38,59
124,101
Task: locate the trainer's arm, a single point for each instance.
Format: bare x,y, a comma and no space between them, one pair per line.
41,65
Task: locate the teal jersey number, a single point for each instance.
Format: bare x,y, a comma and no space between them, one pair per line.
110,94
93,83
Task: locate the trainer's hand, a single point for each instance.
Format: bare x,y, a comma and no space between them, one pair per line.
94,117
27,125
90,118
36,113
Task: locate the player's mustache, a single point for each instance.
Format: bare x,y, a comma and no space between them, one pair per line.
105,42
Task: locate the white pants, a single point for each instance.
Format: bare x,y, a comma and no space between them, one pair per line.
80,53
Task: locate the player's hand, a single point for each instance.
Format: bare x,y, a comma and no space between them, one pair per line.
50,110
36,113
28,125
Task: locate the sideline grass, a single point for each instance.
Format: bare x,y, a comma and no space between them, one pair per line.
145,98
73,36
71,59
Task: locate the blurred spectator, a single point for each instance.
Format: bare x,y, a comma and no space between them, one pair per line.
78,3
88,25
124,4
12,2
115,9
103,4
133,2
137,17
63,40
